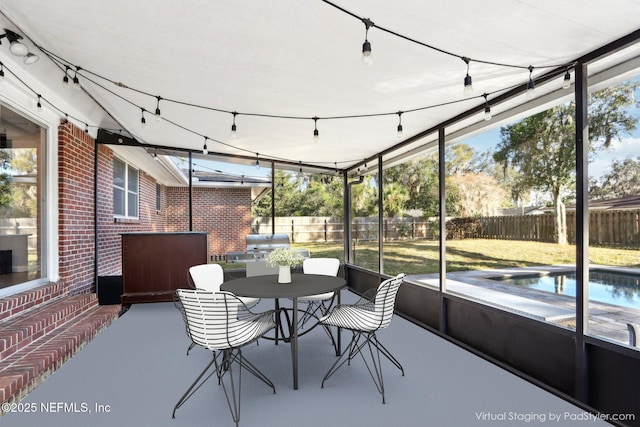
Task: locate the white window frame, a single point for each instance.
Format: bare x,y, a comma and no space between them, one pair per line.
127,191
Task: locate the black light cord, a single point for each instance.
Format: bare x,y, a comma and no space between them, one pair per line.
437,49
84,73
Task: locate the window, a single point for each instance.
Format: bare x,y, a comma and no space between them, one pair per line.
158,197
22,199
125,189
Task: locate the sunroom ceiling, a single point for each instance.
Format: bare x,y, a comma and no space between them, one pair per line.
299,59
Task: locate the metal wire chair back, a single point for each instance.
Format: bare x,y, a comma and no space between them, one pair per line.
219,320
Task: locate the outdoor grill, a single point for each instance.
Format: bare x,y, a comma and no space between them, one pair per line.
260,245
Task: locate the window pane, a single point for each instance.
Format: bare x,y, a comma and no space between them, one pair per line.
132,184
118,201
22,172
614,214
119,173
132,207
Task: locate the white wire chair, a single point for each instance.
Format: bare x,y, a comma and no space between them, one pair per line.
318,305
220,322
368,315
209,277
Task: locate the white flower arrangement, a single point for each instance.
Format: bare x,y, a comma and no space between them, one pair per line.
284,256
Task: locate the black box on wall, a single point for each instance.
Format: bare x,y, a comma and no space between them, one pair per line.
109,290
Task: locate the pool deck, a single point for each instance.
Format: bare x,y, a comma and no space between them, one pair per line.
605,320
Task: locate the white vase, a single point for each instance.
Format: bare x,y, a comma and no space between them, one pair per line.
284,274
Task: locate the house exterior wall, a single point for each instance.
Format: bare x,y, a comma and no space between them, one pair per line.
75,209
225,213
110,228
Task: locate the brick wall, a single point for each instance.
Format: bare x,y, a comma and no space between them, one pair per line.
110,228
75,208
225,213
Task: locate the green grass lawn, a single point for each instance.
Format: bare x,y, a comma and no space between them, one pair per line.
421,256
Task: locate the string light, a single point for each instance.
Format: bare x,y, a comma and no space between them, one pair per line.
30,58
566,83
143,121
65,79
336,165
487,109
531,86
158,115
76,81
468,87
205,151
257,161
39,104
400,124
86,128
1,71
366,46
234,129
316,134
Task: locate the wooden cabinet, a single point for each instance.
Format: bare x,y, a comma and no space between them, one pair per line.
154,265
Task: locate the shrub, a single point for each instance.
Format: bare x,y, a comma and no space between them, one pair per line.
463,228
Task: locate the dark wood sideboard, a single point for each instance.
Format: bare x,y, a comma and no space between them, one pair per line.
154,265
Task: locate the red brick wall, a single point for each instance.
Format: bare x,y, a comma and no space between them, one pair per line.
109,228
75,208
225,213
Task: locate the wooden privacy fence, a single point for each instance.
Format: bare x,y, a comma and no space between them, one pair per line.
331,229
619,227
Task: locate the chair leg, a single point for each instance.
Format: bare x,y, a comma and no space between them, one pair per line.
377,366
233,398
386,353
229,357
370,341
348,352
190,347
196,385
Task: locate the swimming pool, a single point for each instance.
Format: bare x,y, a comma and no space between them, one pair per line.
604,286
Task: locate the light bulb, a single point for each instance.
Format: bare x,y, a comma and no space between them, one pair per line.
531,89
18,49
566,83
487,113
468,87
316,135
366,53
30,58
400,133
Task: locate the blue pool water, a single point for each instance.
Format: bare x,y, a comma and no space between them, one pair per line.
604,286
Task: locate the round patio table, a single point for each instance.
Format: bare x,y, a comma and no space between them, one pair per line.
301,285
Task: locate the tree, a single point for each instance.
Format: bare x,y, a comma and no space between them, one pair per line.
480,195
542,147
622,180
